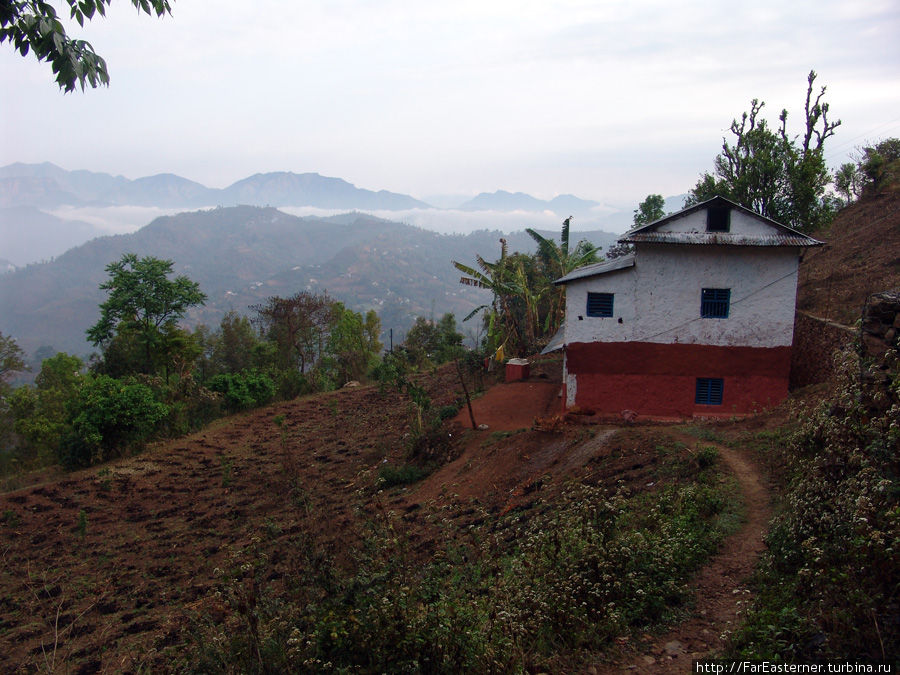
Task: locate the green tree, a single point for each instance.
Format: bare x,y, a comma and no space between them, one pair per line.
848,182
41,413
877,167
652,208
353,344
236,348
880,164
11,359
525,307
432,343
232,348
109,417
778,176
34,25
144,306
499,277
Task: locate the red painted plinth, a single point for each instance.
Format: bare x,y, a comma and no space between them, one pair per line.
659,380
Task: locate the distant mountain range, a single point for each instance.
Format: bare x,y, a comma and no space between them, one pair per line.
242,255
519,201
48,186
36,198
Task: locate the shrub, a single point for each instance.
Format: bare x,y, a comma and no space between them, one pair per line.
244,390
291,384
591,568
108,417
447,412
401,475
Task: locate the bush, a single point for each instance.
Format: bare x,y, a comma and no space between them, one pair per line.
109,417
191,405
577,575
447,412
244,390
291,384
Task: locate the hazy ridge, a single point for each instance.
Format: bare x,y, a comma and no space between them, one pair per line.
242,255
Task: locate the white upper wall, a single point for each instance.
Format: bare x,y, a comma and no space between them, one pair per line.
658,300
741,224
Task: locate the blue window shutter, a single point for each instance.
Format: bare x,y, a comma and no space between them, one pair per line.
715,303
600,304
709,391
718,219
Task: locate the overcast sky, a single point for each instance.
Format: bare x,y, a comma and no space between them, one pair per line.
609,100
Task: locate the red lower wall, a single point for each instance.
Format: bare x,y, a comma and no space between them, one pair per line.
659,380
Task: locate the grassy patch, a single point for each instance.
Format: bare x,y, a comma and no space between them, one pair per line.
390,475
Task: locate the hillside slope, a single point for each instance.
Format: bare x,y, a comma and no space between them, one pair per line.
242,255
861,257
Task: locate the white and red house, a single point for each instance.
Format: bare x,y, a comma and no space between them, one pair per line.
698,321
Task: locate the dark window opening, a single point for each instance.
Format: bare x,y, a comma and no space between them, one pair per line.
714,303
599,304
709,391
718,219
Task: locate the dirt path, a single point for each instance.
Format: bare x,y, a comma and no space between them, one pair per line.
719,587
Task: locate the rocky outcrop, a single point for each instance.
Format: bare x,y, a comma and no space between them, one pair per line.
816,341
880,324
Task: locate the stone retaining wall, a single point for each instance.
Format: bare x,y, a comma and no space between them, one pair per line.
815,343
881,323
816,340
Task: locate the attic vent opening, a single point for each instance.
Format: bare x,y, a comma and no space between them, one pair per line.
718,219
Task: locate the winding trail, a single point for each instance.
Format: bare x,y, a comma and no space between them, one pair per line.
719,587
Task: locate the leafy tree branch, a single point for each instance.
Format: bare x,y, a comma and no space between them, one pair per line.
35,26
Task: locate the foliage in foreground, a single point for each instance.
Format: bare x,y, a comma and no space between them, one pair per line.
828,584
588,568
35,26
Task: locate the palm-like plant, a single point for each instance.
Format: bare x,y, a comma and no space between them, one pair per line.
558,261
499,278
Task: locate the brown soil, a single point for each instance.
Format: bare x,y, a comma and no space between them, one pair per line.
101,568
861,256
115,588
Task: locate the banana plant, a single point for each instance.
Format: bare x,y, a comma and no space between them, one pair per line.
558,261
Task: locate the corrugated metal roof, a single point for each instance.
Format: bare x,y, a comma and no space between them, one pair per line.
558,341
720,239
598,268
